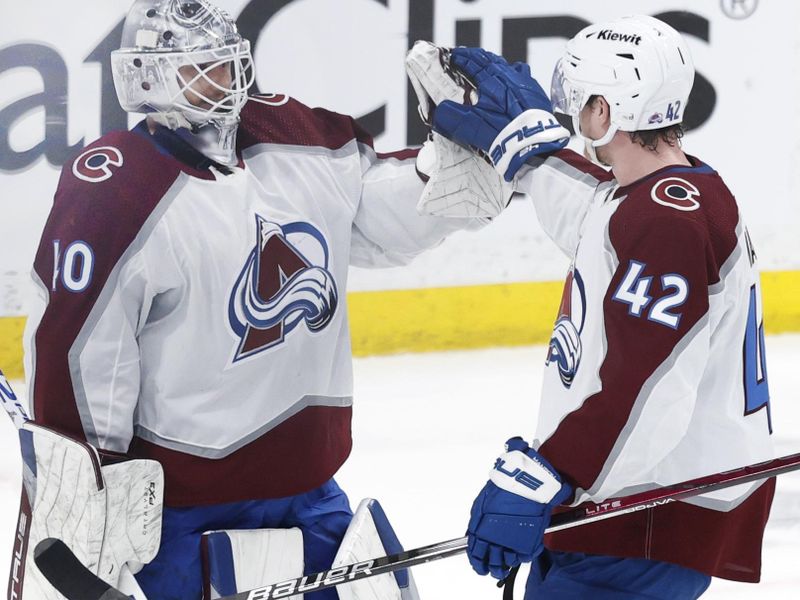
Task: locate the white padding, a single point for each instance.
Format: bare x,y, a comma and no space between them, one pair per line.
108,516
128,585
258,556
432,81
460,183
363,542
524,476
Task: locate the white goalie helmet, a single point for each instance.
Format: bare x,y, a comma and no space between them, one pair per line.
184,63
639,64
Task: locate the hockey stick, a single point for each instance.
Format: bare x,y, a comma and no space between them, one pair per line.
19,417
57,563
11,403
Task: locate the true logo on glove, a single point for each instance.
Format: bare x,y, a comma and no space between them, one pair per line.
519,135
518,474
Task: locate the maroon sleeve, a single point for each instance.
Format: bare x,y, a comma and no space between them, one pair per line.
638,338
284,120
103,198
278,119
583,164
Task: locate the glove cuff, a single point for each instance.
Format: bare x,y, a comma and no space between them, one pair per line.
532,132
527,475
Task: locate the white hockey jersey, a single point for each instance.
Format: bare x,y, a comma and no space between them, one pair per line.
656,372
200,318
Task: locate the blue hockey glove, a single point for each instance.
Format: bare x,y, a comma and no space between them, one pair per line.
512,511
513,118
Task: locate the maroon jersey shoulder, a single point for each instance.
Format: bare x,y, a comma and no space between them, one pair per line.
680,202
117,179
279,119
104,197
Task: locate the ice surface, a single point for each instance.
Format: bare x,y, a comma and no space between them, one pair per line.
427,428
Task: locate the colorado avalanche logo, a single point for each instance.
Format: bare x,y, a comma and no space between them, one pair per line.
281,287
676,193
565,344
95,164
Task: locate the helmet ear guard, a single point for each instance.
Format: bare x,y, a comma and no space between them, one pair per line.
640,65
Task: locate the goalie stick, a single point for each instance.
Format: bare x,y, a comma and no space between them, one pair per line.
19,417
11,403
61,568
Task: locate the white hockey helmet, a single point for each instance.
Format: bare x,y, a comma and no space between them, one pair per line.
639,64
161,36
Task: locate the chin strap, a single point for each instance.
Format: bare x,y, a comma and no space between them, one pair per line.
591,145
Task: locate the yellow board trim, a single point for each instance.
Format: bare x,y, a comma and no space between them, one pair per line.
454,318
11,329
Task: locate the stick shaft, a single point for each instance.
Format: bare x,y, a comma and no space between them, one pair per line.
581,515
11,403
615,507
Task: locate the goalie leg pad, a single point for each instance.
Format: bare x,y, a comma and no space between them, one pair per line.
239,560
370,535
177,573
109,516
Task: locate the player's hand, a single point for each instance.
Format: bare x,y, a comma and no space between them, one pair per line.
513,117
460,182
512,511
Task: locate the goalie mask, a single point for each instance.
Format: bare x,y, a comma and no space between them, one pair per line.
639,64
184,63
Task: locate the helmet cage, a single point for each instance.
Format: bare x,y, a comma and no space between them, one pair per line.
153,82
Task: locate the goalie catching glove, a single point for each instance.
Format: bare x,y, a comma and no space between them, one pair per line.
477,99
459,182
512,511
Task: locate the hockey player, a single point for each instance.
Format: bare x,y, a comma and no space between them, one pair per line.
192,312
656,371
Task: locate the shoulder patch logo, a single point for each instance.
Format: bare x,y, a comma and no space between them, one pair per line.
95,164
285,282
676,193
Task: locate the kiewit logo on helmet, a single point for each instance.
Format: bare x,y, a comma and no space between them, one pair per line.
608,34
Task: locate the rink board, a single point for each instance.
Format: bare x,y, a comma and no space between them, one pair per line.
450,318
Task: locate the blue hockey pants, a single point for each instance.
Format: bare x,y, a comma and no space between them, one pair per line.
574,576
322,514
